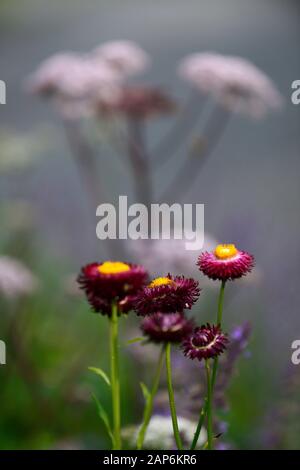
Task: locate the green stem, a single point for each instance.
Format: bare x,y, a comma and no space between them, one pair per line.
221,303
203,411
200,424
149,404
115,381
171,398
209,407
219,322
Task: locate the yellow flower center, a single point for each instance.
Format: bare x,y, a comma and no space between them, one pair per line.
161,281
226,251
113,267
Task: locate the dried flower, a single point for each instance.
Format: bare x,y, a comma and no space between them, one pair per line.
126,57
172,327
234,82
225,263
138,102
167,295
111,280
205,342
16,280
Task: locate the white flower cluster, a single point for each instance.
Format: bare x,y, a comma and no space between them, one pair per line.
233,81
76,80
15,279
159,434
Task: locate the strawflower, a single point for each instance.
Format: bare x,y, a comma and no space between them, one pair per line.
226,262
167,295
162,328
206,341
111,280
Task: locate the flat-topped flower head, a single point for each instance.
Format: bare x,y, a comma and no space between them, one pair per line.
234,82
111,280
167,295
72,75
226,262
127,57
206,341
172,327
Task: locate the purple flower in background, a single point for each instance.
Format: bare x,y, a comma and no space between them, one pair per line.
172,327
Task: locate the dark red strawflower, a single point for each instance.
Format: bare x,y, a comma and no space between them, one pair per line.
108,281
103,306
225,263
167,295
205,342
172,327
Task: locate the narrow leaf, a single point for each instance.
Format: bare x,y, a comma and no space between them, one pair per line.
104,417
134,340
101,373
145,391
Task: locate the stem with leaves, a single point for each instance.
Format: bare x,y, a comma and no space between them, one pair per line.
115,380
171,398
204,410
209,406
149,397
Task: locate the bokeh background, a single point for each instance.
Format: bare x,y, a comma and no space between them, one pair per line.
250,188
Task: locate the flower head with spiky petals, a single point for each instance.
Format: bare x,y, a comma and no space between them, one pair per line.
162,328
226,262
167,295
111,280
206,341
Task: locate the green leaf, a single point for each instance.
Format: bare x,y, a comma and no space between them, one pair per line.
104,417
101,373
145,391
134,340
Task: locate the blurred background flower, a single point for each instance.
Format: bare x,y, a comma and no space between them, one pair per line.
15,279
233,81
245,172
159,434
